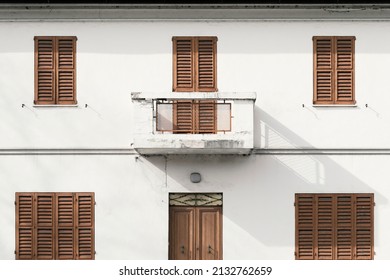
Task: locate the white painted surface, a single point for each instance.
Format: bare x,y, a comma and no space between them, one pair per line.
272,58
258,197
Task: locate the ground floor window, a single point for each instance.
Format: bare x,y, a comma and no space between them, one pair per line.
55,226
334,226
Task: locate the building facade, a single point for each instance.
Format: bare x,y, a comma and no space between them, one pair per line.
218,131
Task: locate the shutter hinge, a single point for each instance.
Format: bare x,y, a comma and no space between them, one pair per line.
15,202
95,203
15,252
295,204
94,252
373,204
295,253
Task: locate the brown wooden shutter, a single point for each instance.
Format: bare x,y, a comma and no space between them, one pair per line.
325,226
65,226
333,70
24,226
183,111
44,226
206,63
344,227
194,69
45,70
55,70
364,224
323,72
66,70
344,67
207,119
85,230
304,227
183,64
194,64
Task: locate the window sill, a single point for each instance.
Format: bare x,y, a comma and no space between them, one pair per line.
55,105
334,105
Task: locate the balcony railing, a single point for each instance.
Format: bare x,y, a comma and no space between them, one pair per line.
193,123
193,116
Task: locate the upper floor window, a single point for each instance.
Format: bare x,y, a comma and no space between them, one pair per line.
195,70
55,70
334,69
195,64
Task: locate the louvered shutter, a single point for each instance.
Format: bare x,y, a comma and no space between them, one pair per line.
304,227
323,72
183,64
44,226
344,66
183,111
24,226
66,241
206,116
364,224
325,227
45,70
85,230
344,227
206,63
66,66
334,70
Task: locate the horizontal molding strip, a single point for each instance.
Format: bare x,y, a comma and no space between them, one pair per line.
130,151
315,151
64,151
48,13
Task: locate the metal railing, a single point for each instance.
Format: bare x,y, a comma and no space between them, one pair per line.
193,116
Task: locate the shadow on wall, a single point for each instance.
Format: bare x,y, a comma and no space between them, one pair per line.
259,189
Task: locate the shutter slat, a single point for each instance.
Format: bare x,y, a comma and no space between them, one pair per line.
207,116
24,226
305,227
206,64
44,70
364,227
65,226
325,226
183,69
44,227
85,226
66,52
323,73
183,110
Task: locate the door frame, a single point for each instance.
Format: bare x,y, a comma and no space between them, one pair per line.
196,202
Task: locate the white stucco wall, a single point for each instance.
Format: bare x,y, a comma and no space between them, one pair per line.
271,58
258,197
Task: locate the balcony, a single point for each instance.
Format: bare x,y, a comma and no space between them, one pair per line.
193,123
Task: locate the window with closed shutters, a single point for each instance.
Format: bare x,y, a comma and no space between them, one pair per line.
334,69
55,226
55,70
194,70
334,226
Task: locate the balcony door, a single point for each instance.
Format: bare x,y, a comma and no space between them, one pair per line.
195,232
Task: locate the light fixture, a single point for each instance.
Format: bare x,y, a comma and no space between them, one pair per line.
195,177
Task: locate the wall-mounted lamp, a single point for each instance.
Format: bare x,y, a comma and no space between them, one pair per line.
195,177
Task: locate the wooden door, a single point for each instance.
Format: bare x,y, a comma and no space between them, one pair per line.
195,233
